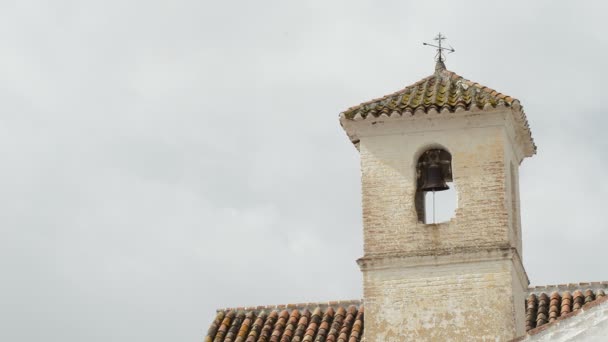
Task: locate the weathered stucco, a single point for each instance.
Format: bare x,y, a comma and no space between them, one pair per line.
458,297
459,280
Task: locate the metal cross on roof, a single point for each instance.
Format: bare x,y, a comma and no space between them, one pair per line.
439,57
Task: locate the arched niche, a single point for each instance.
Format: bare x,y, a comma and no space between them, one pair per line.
436,198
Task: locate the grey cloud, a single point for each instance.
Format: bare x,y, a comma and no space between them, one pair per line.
161,159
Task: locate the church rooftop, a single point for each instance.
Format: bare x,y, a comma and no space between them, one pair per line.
344,320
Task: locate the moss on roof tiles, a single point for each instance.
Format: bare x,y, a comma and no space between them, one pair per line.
442,90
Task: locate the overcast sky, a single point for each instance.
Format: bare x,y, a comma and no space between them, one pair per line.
162,159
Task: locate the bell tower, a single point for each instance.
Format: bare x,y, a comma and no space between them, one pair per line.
460,280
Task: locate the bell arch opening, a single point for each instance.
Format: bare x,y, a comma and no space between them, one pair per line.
436,197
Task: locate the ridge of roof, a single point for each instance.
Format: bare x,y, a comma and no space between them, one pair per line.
538,289
296,306
596,285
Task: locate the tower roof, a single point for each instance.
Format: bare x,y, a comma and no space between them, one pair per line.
443,92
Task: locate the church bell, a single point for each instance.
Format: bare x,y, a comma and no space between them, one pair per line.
433,170
433,179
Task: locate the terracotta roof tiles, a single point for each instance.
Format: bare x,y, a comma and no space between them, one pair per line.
548,303
343,321
530,334
331,322
443,92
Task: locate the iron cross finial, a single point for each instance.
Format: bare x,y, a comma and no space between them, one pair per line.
440,57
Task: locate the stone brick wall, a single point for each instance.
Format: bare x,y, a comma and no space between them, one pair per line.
461,280
388,166
469,300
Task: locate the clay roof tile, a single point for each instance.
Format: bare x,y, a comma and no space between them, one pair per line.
542,308
344,321
444,92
